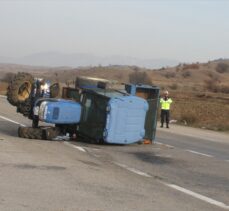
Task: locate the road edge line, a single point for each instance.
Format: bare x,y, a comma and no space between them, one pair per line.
10,120
198,196
74,146
199,153
133,170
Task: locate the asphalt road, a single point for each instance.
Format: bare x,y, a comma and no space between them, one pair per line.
196,140
187,169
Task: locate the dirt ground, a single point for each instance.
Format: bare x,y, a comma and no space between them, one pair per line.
199,91
3,88
207,111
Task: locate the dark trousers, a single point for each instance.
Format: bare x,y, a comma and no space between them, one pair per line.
165,117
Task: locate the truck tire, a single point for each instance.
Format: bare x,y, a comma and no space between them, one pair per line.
20,88
30,133
41,133
51,133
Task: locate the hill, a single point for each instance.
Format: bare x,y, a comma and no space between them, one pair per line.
53,59
200,90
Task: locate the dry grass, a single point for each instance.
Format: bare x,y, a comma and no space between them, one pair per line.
192,87
191,66
3,88
203,112
222,67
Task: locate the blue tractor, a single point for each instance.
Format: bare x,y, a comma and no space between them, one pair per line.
90,111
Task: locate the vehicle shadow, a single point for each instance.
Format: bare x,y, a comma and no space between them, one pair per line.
151,157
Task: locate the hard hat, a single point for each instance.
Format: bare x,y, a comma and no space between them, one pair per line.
166,92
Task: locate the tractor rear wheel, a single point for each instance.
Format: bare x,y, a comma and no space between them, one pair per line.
30,133
20,88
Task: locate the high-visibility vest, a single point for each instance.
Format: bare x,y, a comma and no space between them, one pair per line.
165,104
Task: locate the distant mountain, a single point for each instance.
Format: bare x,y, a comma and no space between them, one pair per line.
52,59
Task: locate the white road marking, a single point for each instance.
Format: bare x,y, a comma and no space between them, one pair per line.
80,148
198,153
227,160
183,190
95,149
2,96
136,171
74,146
198,196
167,145
10,120
92,148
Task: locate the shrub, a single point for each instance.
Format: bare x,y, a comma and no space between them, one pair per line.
177,68
163,68
186,74
224,89
140,78
8,77
135,68
170,75
190,66
211,85
173,86
188,118
195,89
222,68
213,76
119,75
214,86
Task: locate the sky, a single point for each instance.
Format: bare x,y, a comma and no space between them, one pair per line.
183,30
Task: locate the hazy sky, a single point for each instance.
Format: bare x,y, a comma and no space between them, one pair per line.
184,30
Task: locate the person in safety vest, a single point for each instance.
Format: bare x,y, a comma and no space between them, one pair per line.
165,102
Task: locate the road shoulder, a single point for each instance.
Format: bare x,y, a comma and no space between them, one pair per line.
208,135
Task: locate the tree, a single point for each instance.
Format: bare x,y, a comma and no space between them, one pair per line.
8,77
139,78
222,68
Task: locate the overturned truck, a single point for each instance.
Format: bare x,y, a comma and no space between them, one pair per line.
95,110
